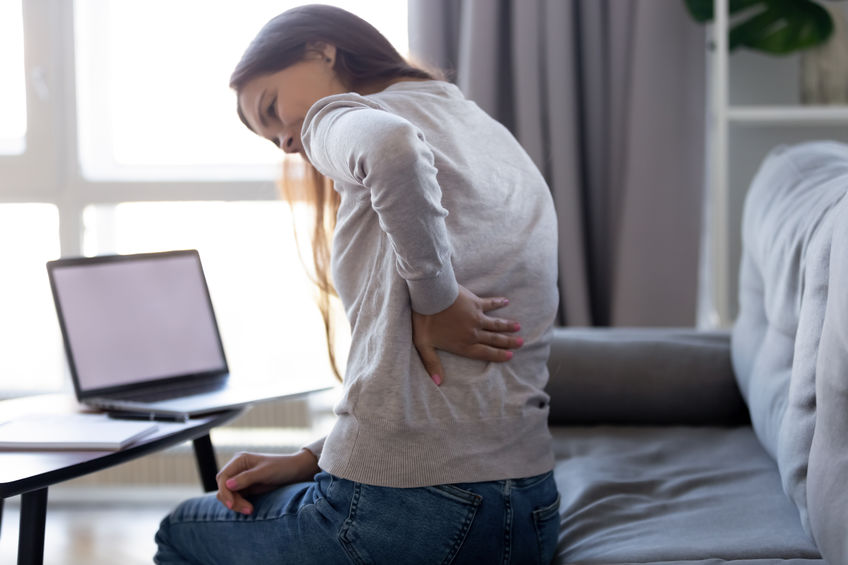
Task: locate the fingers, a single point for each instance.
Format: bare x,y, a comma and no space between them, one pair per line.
234,477
239,482
432,363
233,500
225,495
487,304
488,353
499,325
499,340
464,329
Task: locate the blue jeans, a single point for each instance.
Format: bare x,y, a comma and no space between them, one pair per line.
333,520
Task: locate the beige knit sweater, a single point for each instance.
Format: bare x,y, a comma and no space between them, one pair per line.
434,193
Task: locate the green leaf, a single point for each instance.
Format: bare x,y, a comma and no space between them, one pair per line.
778,27
701,10
786,26
750,31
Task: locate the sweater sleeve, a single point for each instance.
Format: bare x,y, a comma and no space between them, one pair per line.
316,447
350,139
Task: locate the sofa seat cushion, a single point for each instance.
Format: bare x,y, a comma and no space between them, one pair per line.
673,494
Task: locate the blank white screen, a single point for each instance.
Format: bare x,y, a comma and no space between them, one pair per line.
133,320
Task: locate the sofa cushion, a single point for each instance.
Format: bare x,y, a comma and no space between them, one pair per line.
828,470
672,494
643,376
783,292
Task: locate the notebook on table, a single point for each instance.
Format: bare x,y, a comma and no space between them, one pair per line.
72,431
141,337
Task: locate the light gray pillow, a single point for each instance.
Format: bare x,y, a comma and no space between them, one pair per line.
787,234
827,480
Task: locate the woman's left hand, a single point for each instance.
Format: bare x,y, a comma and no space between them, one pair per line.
255,473
465,329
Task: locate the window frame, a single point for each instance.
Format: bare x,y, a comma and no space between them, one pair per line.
26,176
48,171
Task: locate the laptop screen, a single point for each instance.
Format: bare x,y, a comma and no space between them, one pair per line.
135,318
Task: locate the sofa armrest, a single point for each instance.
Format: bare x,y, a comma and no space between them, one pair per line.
643,376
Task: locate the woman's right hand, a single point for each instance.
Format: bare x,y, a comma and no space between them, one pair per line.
254,473
465,329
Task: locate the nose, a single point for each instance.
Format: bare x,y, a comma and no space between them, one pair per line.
288,143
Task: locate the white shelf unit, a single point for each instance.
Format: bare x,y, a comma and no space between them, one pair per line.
789,115
718,312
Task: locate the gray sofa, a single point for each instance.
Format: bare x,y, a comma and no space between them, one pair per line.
680,446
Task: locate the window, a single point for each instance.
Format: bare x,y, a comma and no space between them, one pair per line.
30,345
253,270
132,143
13,121
162,108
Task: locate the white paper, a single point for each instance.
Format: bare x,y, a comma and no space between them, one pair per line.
72,432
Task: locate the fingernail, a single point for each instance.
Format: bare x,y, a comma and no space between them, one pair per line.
509,355
520,342
517,327
229,504
505,301
437,379
231,483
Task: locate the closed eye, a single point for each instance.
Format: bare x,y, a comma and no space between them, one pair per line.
271,111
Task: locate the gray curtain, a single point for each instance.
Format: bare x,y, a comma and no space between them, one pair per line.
607,97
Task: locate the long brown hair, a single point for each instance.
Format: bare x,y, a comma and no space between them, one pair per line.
364,58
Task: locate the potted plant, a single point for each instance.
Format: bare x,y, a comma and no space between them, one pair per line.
781,27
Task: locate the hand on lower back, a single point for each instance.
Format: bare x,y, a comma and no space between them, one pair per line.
465,329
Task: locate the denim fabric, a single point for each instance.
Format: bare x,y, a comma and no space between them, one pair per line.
333,520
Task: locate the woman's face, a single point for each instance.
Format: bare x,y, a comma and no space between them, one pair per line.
275,105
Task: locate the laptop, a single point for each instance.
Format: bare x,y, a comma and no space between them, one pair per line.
141,337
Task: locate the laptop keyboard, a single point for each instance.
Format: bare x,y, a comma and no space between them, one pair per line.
170,393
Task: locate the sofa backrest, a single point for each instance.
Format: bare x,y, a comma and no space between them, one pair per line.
795,202
827,476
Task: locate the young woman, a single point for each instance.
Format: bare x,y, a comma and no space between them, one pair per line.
440,452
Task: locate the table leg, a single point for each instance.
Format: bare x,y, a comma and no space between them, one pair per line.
33,517
207,465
